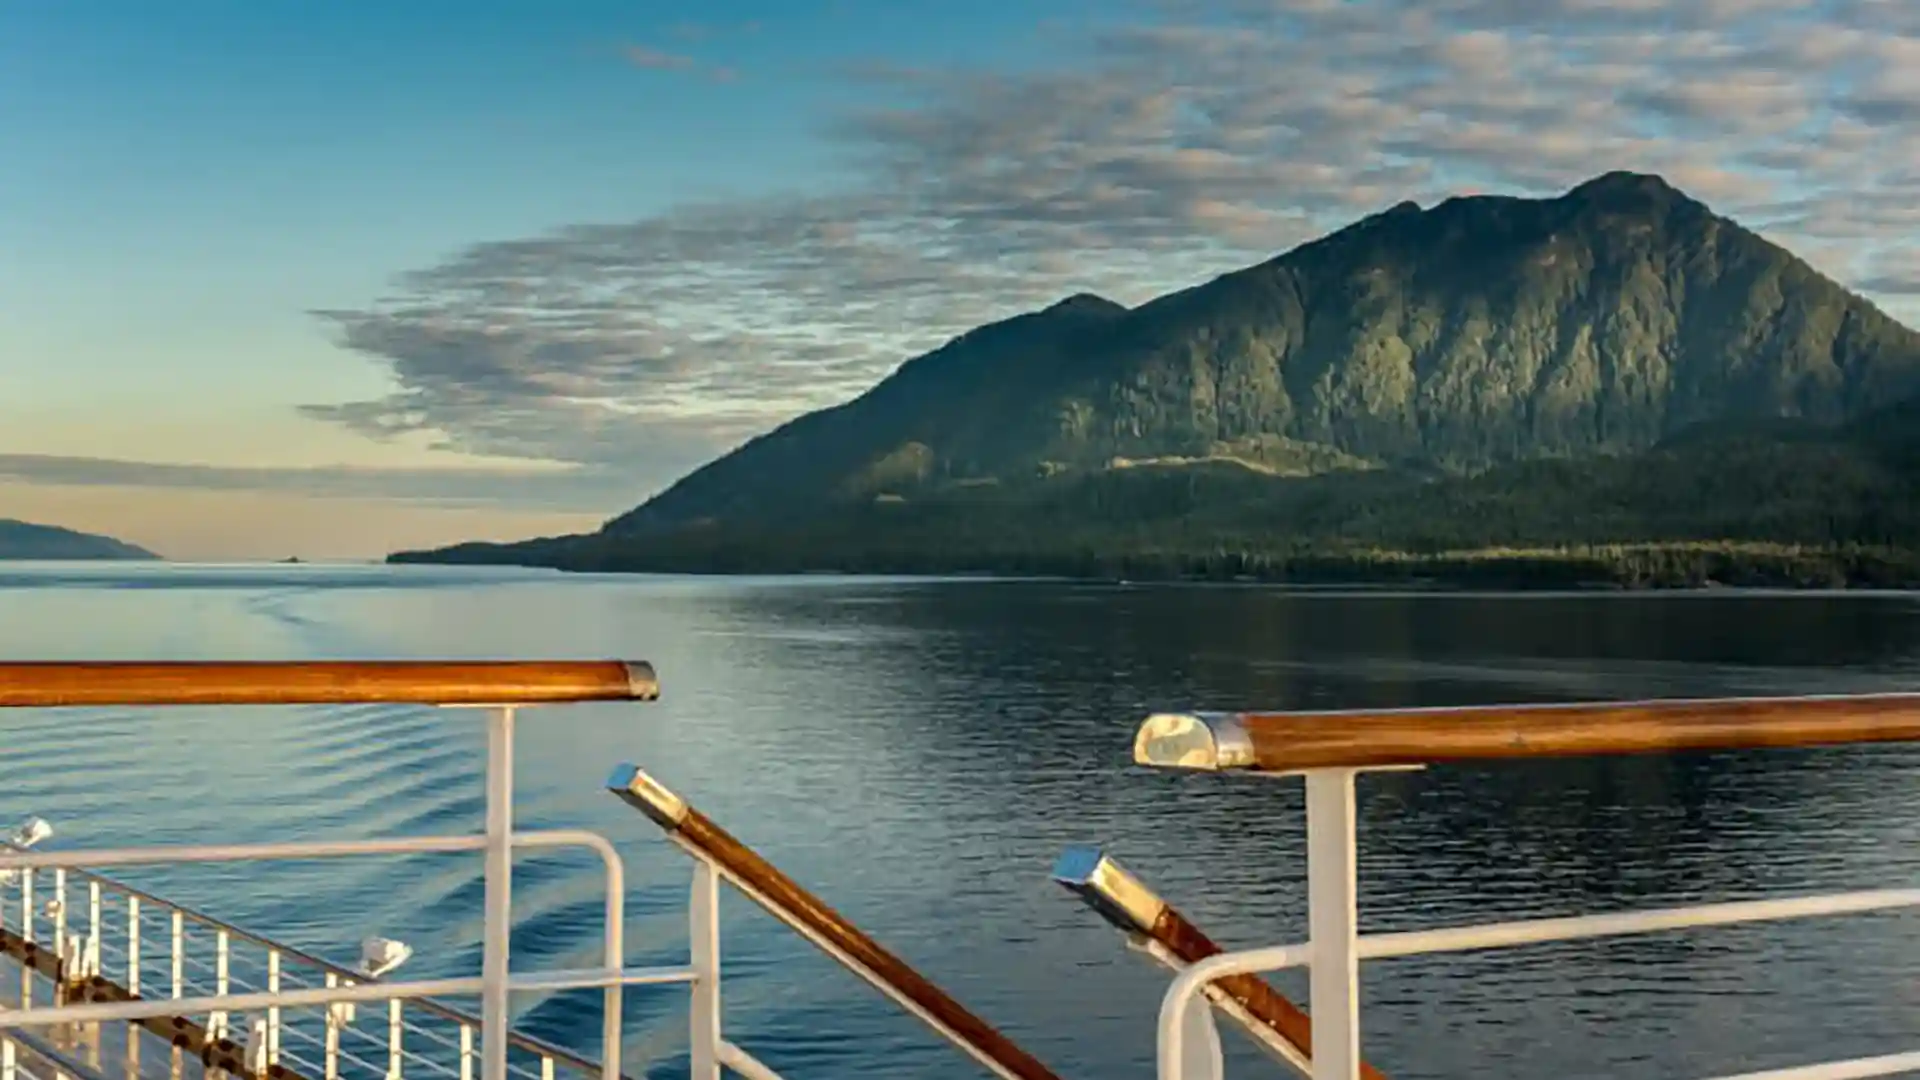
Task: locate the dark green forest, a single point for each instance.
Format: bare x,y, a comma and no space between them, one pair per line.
1795,508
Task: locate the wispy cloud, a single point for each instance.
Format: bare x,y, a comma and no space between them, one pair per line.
652,59
563,490
1157,153
644,56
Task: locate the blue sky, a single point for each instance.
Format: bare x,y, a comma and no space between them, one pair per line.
212,169
328,279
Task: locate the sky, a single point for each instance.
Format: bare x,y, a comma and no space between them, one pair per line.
330,280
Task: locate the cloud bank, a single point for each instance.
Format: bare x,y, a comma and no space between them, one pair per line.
1200,137
577,489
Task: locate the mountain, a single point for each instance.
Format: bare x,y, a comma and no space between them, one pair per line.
1578,353
24,540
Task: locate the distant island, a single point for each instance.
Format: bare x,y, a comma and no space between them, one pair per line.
25,540
1613,387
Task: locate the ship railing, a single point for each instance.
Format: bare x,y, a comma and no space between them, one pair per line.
192,1002
1165,935
81,925
1329,749
721,858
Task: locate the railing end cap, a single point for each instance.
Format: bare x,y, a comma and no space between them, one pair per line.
1077,865
1108,888
1204,741
643,683
647,795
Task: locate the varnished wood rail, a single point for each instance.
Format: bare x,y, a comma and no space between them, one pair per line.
351,682
1128,904
787,900
1299,741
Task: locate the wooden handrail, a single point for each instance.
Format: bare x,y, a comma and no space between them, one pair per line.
768,886
1131,906
1288,742
328,682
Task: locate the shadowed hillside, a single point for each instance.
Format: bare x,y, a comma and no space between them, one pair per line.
24,540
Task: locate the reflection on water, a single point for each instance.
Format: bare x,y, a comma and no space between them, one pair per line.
920,751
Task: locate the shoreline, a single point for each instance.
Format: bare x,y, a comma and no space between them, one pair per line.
1685,566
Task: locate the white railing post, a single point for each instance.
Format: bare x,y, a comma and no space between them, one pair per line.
26,931
466,1052
1333,924
330,1052
612,1007
273,1011
217,1023
499,896
396,1052
133,945
179,954
9,1066
703,926
60,909
95,934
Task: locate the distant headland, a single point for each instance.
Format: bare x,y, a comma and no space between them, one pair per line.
26,540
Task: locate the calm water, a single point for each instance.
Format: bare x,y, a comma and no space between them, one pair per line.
919,752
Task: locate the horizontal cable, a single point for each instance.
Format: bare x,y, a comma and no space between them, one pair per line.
1578,927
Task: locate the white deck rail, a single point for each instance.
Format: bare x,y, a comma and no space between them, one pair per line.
497,689
85,932
58,913
176,956
1329,749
